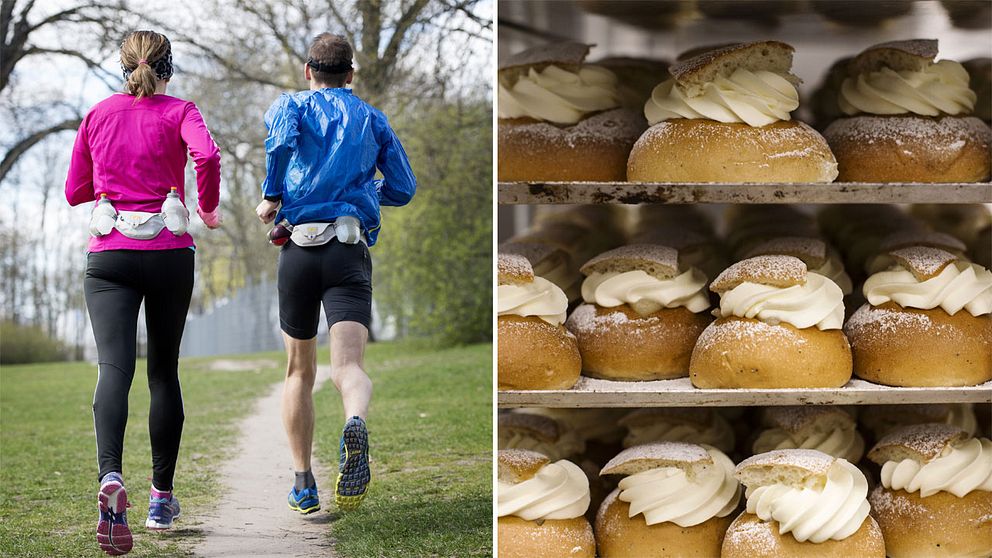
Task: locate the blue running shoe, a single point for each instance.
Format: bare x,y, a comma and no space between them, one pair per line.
353,469
304,501
112,532
163,509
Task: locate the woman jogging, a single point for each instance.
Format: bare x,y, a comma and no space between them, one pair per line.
129,157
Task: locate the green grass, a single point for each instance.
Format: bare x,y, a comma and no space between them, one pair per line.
431,437
430,428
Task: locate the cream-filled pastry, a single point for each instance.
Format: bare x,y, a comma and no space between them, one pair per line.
777,326
642,314
935,496
675,499
928,321
828,429
535,350
815,253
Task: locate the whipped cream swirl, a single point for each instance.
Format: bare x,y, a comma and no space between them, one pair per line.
819,302
559,490
835,511
541,298
845,443
962,468
938,88
558,95
668,494
755,98
959,285
645,293
833,269
717,434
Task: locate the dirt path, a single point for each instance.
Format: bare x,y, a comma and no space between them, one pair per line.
254,518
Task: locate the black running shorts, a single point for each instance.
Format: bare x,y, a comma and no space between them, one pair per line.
335,274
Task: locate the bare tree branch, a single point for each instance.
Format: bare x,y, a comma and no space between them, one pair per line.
23,145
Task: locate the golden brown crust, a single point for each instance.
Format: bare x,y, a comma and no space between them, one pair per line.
922,261
745,353
621,536
920,442
518,465
939,525
620,344
750,537
533,354
773,56
776,270
698,150
513,269
691,458
910,148
910,347
595,149
552,538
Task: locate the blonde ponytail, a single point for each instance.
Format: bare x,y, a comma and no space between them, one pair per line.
140,51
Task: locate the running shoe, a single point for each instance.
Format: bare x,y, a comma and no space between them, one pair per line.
163,508
353,469
112,531
304,501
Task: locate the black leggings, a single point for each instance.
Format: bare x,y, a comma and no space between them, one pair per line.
116,282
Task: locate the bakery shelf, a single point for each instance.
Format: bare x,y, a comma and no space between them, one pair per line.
665,192
590,392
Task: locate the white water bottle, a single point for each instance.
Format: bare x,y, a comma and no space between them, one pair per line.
175,214
347,229
103,217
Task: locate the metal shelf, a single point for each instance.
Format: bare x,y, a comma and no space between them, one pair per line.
662,192
590,392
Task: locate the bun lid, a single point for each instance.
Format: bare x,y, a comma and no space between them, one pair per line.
691,458
773,56
813,418
912,55
538,254
514,269
517,465
566,53
775,271
920,442
656,260
792,467
923,262
812,251
537,426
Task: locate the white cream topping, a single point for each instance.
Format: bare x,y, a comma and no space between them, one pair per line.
755,98
717,434
569,443
540,298
938,88
845,443
812,513
962,468
645,293
668,494
819,302
558,95
959,285
833,269
559,490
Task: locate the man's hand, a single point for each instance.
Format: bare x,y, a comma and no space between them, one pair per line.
266,211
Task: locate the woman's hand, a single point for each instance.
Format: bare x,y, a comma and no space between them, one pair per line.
212,220
266,211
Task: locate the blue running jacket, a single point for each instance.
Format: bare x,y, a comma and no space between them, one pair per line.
322,151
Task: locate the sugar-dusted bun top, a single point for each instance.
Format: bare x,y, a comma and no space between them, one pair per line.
812,251
696,51
517,465
791,467
656,260
919,442
923,262
771,56
924,277
775,271
566,53
692,458
514,269
911,55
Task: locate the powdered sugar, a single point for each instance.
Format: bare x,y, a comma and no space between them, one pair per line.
779,271
753,535
617,127
923,261
661,451
747,334
653,258
927,440
811,251
514,269
948,134
816,462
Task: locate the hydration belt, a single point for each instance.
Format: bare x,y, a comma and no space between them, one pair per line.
139,225
346,229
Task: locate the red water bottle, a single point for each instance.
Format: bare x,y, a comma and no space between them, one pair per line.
279,235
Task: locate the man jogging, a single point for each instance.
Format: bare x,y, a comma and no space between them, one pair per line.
323,148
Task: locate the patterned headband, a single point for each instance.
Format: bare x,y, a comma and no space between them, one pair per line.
162,66
339,68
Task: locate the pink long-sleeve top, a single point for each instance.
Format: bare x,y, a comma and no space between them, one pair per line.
135,152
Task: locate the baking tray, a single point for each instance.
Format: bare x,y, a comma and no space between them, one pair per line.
590,392
707,192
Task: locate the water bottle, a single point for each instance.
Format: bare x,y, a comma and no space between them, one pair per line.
175,214
348,229
280,234
103,217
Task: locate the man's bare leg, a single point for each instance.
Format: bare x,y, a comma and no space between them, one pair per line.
297,398
348,341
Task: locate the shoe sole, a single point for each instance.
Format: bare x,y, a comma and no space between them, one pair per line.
353,480
153,525
305,511
113,535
